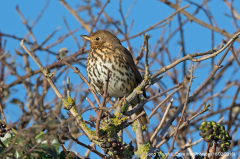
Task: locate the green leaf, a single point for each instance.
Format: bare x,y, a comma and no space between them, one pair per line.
39,137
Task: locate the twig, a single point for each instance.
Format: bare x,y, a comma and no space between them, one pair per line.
125,27
135,118
182,38
164,92
51,66
74,38
74,13
105,95
17,38
207,151
2,144
191,56
146,37
76,70
2,113
163,119
183,111
40,14
60,39
88,151
45,72
192,144
88,147
234,54
24,21
188,145
3,55
140,54
48,77
236,15
95,21
48,38
92,105
62,145
165,100
190,99
157,24
192,18
132,111
164,69
68,87
214,149
30,150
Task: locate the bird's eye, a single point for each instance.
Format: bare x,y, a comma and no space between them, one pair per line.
97,38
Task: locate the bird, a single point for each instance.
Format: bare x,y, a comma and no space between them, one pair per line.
107,53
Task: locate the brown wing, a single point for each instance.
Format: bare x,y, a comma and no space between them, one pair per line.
129,59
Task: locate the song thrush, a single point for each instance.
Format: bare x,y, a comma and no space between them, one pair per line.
107,53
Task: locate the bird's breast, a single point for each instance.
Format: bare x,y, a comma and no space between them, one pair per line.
122,80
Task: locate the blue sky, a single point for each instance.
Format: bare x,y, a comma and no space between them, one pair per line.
144,14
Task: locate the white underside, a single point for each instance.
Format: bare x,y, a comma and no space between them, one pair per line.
113,91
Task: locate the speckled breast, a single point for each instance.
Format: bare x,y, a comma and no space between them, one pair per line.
122,80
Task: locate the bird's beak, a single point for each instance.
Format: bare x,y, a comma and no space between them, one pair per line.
86,37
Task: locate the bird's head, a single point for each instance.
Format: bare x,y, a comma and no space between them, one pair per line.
102,38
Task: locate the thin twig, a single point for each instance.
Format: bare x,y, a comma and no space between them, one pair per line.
30,150
195,93
86,155
207,151
169,18
98,16
74,38
214,149
163,119
135,118
183,111
2,113
191,56
146,38
2,144
68,87
234,54
88,147
192,18
105,95
45,72
74,13
62,145
165,100
76,70
92,105
48,77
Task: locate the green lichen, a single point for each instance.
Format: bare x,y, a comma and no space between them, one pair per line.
47,73
148,80
142,150
119,119
124,106
134,126
144,128
68,103
161,154
138,88
113,125
89,131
